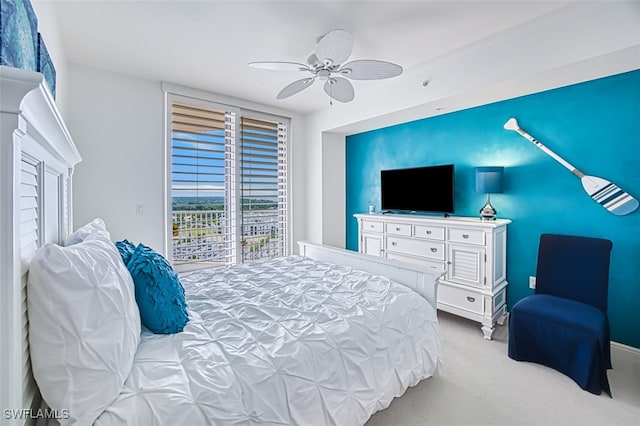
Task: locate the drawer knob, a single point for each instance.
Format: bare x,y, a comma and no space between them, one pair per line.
371,226
428,232
433,249
393,243
471,299
465,236
397,228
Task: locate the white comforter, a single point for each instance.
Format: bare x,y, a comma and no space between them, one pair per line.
290,341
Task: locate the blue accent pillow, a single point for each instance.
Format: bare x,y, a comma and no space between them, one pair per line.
159,293
126,250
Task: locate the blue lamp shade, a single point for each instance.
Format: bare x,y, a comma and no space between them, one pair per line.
489,180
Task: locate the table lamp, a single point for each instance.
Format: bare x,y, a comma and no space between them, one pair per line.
489,181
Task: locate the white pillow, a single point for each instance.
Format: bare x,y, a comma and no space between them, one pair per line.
96,227
84,326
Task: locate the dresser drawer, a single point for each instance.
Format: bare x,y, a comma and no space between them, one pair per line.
461,299
372,226
432,265
469,236
399,229
422,248
431,232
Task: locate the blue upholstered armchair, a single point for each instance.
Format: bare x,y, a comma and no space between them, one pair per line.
564,325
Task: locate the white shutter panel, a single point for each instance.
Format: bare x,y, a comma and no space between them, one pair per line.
283,185
230,192
202,184
29,223
263,184
30,240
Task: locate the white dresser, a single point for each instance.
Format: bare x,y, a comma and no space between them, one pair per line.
471,250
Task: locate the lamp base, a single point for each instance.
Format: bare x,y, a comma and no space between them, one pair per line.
488,212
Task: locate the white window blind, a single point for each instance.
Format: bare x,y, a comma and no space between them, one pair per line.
228,186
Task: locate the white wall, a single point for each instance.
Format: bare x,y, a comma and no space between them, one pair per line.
582,42
117,121
333,189
117,124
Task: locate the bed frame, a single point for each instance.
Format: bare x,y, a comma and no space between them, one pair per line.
422,280
37,157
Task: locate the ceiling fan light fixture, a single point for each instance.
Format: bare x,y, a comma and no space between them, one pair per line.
324,75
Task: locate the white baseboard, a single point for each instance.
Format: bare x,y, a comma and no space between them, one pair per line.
628,352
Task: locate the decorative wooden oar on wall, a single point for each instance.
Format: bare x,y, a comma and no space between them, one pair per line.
605,193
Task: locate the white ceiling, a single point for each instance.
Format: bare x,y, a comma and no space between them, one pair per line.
208,44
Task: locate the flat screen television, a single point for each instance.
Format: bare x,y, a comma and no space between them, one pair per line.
427,189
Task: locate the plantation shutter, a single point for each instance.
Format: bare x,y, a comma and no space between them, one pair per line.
228,183
263,188
203,184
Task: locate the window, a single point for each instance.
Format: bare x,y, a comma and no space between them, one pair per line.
228,181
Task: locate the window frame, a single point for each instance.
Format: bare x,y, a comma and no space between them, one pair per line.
196,97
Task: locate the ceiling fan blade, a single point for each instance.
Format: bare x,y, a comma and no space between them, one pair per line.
335,46
295,87
339,89
279,66
313,60
370,69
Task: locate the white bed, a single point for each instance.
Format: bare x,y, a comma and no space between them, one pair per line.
328,337
290,341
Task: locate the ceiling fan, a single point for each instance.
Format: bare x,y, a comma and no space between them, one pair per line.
327,64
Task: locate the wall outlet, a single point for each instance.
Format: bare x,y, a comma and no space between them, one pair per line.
532,282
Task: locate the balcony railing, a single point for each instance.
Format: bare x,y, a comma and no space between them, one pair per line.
201,237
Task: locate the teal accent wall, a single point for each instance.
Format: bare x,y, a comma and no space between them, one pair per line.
593,125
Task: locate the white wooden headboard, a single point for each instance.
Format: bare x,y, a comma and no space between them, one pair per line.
37,157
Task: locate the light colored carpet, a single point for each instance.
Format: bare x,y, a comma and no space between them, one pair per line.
480,385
